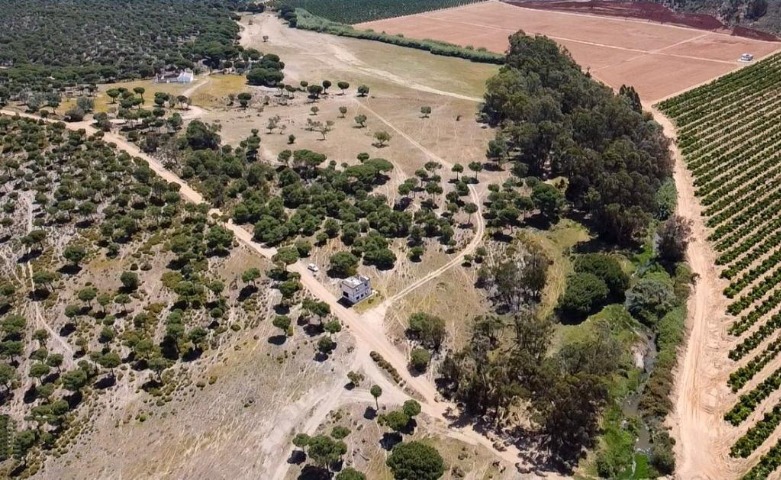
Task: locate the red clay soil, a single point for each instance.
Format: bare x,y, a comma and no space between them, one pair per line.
645,11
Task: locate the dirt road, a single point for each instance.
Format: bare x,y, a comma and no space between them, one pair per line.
701,434
366,329
473,195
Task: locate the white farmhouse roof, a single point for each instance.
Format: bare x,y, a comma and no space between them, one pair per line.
355,281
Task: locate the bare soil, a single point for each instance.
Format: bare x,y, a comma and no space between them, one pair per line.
701,396
650,11
657,59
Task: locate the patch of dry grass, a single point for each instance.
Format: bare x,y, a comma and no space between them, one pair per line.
557,243
214,92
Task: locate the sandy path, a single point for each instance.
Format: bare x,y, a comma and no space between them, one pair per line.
473,195
367,329
64,347
701,434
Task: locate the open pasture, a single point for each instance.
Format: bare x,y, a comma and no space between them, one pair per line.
658,60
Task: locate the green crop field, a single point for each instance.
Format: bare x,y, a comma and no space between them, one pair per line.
357,11
730,136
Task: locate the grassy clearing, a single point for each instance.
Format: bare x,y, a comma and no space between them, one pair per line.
214,92
557,243
444,73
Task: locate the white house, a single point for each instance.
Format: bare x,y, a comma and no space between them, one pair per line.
356,289
746,57
185,76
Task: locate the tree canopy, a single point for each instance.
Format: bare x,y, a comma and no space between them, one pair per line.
557,121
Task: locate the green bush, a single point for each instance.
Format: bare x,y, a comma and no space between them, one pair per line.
650,299
585,292
419,359
607,268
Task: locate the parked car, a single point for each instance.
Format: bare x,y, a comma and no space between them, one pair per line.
313,268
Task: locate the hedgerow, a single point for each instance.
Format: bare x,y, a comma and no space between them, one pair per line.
307,21
356,11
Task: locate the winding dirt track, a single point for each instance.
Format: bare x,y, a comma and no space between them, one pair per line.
473,195
367,328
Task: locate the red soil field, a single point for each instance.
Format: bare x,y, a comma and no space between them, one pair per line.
646,11
659,60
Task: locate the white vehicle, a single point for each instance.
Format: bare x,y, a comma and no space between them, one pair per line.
313,268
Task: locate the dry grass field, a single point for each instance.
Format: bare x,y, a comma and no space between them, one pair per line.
658,60
248,398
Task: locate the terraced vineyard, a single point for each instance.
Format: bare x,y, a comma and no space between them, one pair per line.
729,132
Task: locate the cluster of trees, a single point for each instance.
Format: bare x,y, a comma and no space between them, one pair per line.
93,41
357,11
566,392
408,460
515,280
150,128
556,121
100,203
267,71
428,332
308,197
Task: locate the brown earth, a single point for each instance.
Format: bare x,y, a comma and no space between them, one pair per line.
241,426
657,59
654,12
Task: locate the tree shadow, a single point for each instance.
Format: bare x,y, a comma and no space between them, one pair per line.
277,340
502,237
18,470
390,440
402,204
39,294
370,413
82,224
31,255
69,269
151,384
313,329
67,329
169,349
282,309
297,457
320,357
311,472
106,382
192,354
247,292
74,399
30,395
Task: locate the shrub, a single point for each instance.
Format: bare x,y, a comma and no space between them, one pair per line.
649,300
419,359
583,294
606,268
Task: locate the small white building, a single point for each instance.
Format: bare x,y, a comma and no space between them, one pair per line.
185,76
356,289
746,57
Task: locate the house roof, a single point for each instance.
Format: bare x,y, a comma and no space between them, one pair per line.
355,281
